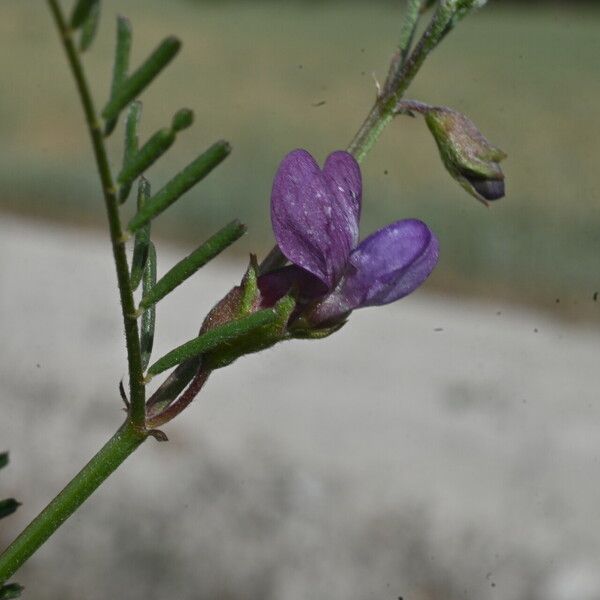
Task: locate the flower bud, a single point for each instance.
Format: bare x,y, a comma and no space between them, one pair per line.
466,153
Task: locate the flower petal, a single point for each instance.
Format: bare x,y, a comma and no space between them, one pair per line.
343,173
390,264
311,227
275,285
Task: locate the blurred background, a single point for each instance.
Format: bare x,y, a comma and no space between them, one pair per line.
457,458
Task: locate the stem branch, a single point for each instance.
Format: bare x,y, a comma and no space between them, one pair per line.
400,77
407,34
136,384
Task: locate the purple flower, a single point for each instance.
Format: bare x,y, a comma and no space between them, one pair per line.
315,215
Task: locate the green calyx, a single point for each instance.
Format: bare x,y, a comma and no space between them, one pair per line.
303,331
250,296
255,340
467,155
243,301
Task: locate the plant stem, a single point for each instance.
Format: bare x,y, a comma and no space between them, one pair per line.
407,34
133,432
398,81
79,489
370,130
409,27
136,384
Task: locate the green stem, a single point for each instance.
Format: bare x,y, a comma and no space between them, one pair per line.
79,489
407,34
398,81
370,130
409,27
136,383
133,432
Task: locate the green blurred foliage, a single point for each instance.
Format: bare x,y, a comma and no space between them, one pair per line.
271,77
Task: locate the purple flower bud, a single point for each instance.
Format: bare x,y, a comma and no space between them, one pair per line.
467,155
490,189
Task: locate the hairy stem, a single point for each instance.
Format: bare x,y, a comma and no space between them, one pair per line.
133,432
399,79
136,385
407,34
79,489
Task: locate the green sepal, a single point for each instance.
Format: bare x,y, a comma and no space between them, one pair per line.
90,28
467,155
8,507
256,339
186,267
181,183
284,309
81,11
249,285
10,591
3,459
225,338
142,238
130,146
121,64
149,314
305,333
135,84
